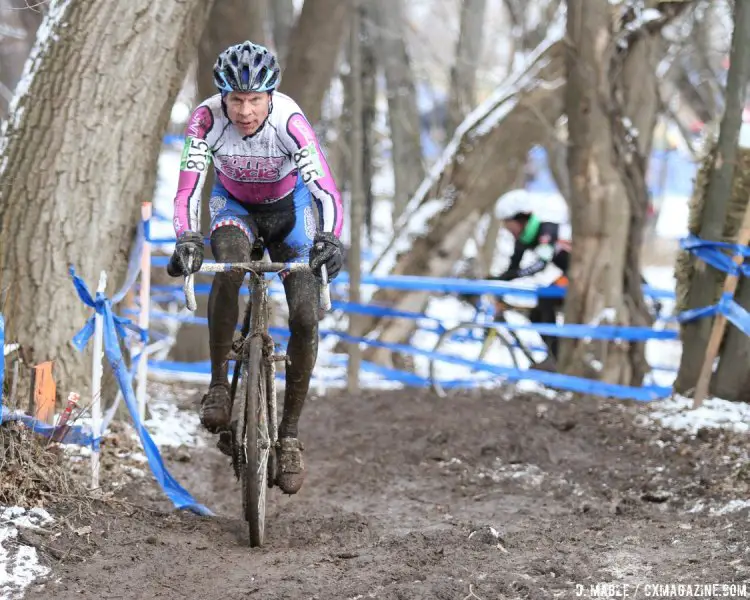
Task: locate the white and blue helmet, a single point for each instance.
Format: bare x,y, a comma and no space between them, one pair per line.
246,67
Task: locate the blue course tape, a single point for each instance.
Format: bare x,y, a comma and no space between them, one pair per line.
728,307
76,434
712,253
566,382
556,380
112,328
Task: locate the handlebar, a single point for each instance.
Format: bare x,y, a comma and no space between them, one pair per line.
256,267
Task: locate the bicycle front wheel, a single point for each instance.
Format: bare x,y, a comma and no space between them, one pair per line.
256,440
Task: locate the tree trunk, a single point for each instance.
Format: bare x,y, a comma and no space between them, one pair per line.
403,116
557,160
612,103
17,35
230,22
256,16
732,378
369,71
99,150
695,334
315,45
282,22
636,90
464,71
466,183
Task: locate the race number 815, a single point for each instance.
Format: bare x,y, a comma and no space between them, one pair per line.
194,155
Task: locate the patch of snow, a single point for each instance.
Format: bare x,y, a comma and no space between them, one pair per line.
731,507
651,14
672,223
170,426
33,518
527,474
19,563
745,135
677,413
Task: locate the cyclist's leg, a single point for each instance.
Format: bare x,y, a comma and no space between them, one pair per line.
291,240
231,235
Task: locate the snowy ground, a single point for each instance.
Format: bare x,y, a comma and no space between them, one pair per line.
19,563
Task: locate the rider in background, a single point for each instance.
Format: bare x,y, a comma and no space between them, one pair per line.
551,243
270,170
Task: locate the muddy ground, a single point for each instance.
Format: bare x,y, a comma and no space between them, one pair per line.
580,492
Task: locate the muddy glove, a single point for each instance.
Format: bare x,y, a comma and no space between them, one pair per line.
189,244
507,276
326,250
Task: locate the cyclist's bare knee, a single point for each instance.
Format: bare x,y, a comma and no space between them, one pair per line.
230,244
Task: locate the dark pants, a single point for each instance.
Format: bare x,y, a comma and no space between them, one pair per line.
546,312
230,244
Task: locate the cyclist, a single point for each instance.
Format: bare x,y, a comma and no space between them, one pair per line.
551,242
269,169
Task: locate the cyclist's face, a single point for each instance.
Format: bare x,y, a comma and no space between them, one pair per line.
248,110
515,227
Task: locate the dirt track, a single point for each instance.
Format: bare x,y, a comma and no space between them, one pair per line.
578,493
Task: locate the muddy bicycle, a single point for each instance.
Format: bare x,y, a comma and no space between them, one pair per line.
495,340
253,433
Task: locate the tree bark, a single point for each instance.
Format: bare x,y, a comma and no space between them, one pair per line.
464,71
282,21
315,46
403,115
72,179
612,104
466,182
369,71
732,378
731,381
695,334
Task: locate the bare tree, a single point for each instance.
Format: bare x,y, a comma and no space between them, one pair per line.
703,283
403,116
464,71
445,211
282,21
315,46
92,115
612,103
369,77
731,381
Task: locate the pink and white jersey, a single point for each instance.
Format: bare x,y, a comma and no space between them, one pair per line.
258,169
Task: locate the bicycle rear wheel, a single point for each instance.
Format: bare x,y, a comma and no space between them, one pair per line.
256,440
